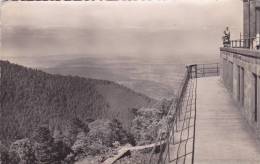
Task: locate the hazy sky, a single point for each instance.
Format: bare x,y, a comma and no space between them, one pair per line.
150,28
187,14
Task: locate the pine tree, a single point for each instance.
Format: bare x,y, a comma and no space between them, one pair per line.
24,149
46,150
3,154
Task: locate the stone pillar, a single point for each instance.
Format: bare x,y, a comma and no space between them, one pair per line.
251,17
0,36
246,18
0,27
258,20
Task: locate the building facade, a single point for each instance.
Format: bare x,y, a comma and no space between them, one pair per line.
241,76
241,69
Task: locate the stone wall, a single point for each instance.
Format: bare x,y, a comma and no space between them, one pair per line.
241,75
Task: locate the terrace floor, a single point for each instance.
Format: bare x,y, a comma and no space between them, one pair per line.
222,135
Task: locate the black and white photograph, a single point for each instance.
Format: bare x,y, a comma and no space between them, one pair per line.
129,81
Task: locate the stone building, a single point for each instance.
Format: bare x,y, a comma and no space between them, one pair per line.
241,69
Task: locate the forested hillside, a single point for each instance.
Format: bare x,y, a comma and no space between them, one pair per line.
30,98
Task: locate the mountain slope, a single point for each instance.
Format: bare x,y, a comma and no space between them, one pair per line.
31,97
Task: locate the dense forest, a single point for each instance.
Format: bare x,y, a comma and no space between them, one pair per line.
30,98
55,119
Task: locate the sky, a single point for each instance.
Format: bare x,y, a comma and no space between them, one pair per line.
187,14
142,28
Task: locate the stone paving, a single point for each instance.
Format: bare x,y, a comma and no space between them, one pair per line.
222,135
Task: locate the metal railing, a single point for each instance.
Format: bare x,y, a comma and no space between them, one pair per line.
177,144
242,43
179,141
174,142
249,43
206,70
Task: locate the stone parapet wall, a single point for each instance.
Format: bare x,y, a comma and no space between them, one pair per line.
241,75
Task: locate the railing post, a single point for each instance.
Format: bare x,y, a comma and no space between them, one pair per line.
195,115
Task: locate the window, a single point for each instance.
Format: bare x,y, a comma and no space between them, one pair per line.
238,83
255,96
242,86
230,76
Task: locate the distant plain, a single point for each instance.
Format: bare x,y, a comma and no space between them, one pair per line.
150,62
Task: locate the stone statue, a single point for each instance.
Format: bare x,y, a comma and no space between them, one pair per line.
226,37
